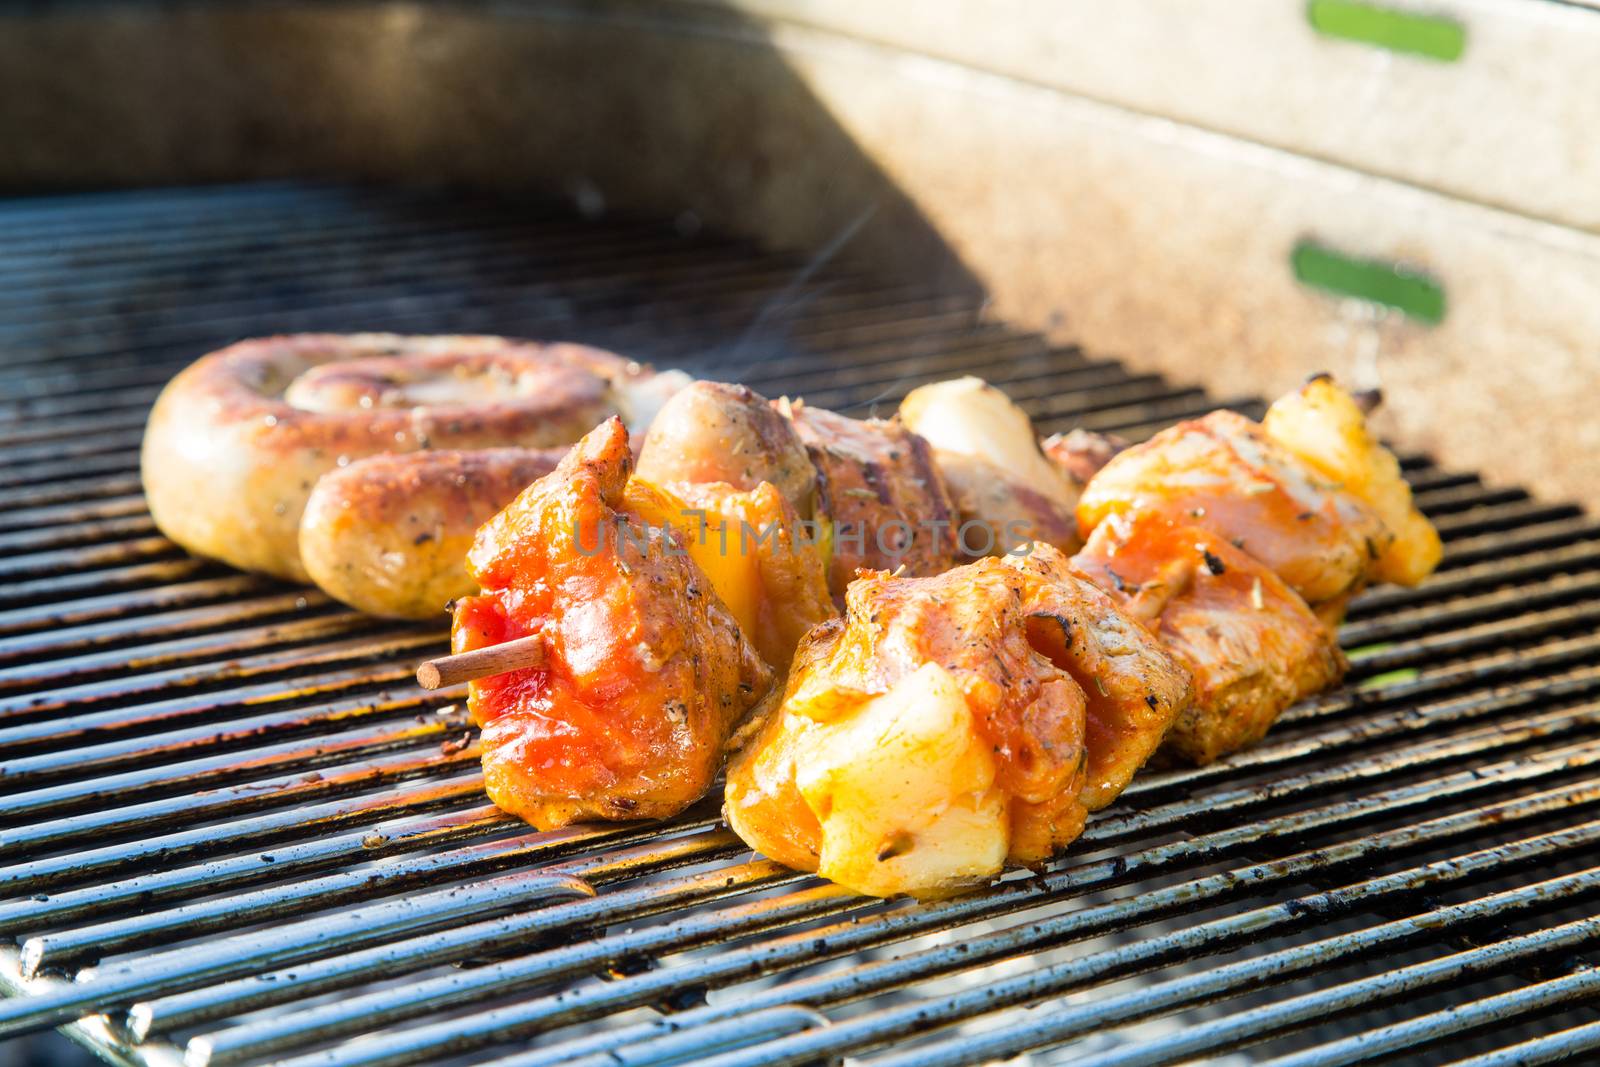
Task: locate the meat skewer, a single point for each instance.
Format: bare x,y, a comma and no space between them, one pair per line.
517,654
644,673
877,704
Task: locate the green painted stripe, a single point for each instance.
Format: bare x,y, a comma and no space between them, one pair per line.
1378,681
1433,36
1416,294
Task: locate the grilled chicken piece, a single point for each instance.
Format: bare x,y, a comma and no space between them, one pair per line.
1007,492
878,487
1081,453
1224,474
1134,690
1326,428
940,729
645,670
715,432
1252,644
765,565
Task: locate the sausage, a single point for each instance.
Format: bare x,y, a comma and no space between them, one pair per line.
389,535
716,432
237,442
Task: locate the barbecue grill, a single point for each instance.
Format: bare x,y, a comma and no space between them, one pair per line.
234,832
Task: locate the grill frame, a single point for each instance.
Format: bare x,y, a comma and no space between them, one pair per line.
1473,702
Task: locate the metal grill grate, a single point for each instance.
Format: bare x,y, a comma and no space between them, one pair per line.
232,825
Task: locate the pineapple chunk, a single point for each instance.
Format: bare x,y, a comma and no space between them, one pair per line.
904,791
1325,428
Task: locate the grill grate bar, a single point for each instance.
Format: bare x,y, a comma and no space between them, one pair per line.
1507,568
385,642
59,218
91,730
99,283
345,1017
71,513
217,644
77,638
418,1043
313,760
1564,1045
1205,847
228,734
372,923
68,490
1559,588
385,878
1529,539
406,835
738,296
498,935
447,786
351,269
1496,1010
112,606
1235,978
235,801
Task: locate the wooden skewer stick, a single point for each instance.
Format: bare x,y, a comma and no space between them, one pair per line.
482,662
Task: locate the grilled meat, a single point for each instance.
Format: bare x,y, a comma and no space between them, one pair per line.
389,534
940,729
887,504
1251,643
1081,453
645,670
715,432
763,563
1133,690
1224,474
729,471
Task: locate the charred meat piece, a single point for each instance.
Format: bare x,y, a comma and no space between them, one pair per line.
645,671
887,504
1224,474
1252,644
935,733
1007,492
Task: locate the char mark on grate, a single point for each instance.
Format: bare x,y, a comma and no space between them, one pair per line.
233,830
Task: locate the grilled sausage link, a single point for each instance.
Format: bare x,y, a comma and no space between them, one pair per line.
389,535
238,442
